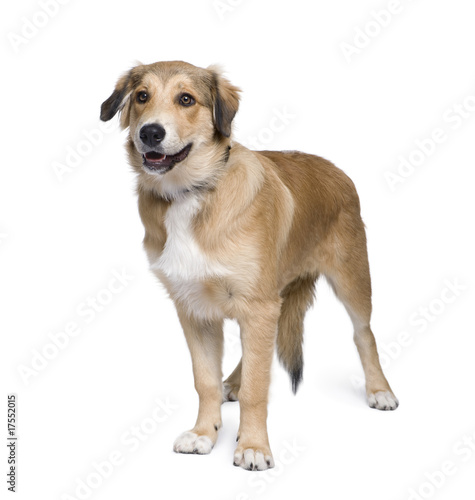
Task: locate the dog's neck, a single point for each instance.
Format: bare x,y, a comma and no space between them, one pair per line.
208,185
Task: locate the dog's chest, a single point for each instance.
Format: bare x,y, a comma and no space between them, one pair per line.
182,259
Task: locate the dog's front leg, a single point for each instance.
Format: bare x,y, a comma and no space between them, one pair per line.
205,341
258,334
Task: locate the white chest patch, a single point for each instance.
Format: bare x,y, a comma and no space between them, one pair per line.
182,259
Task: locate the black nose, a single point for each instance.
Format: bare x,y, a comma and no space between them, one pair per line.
152,135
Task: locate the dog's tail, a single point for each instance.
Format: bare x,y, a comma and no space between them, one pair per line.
297,297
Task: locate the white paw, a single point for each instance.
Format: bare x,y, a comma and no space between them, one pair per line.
252,459
228,393
383,400
189,442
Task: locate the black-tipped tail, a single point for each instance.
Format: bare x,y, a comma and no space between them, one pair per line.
297,298
296,375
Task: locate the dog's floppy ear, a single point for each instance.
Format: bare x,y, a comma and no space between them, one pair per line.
225,101
118,100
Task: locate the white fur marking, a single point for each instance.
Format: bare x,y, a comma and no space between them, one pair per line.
182,259
252,459
189,442
383,400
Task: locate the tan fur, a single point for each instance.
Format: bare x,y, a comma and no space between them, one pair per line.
263,225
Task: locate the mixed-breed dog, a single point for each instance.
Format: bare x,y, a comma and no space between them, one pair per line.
240,234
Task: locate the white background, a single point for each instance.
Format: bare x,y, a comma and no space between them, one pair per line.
63,236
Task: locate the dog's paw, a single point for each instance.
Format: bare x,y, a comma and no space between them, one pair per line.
383,400
230,392
253,458
189,442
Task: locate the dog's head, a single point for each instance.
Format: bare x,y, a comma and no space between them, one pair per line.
179,118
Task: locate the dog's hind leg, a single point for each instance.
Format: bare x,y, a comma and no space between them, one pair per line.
232,384
350,278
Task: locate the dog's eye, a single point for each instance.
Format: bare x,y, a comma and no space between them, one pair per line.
142,97
187,100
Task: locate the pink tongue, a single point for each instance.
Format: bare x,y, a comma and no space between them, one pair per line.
152,156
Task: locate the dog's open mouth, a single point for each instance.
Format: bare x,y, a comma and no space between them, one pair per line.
162,163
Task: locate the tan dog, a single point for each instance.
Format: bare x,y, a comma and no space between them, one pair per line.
240,234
